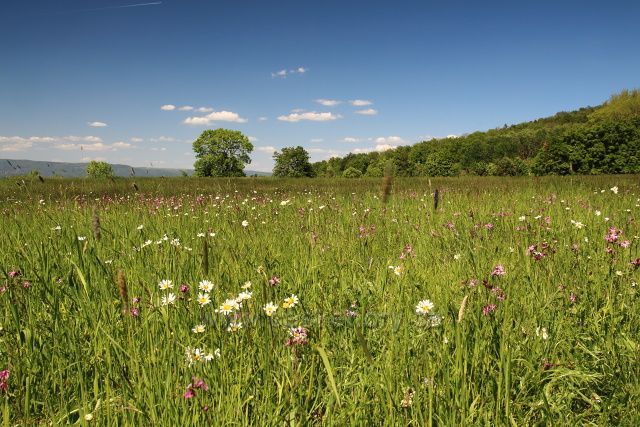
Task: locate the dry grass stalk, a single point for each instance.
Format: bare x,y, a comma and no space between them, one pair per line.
463,306
95,224
122,289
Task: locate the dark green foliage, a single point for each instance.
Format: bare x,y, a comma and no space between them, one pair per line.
221,153
592,140
292,162
351,173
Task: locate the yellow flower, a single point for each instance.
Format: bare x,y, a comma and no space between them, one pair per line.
290,302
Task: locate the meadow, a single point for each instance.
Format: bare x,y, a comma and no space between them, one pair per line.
258,301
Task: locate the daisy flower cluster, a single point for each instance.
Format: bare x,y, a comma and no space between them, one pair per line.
169,298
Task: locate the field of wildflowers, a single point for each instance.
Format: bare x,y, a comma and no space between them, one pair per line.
269,302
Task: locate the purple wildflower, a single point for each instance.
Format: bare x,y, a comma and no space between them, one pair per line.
4,379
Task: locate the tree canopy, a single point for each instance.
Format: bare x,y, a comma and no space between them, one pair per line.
96,169
292,162
591,140
221,153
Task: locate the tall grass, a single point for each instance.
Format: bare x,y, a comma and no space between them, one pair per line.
560,346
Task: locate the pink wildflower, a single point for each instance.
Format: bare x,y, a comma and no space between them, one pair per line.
488,309
498,270
275,280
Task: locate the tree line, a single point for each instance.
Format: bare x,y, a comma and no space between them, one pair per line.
591,140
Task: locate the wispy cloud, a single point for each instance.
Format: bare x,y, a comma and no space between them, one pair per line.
310,116
367,112
97,146
284,72
351,139
390,140
19,143
97,124
328,102
185,108
360,102
163,139
168,107
215,116
266,149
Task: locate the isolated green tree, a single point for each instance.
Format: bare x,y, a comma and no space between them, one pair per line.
221,152
292,162
96,169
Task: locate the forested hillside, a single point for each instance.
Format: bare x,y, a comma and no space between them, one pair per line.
591,140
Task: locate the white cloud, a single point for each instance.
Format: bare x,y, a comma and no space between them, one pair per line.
385,147
351,139
367,112
97,124
266,149
98,146
15,146
390,140
168,107
216,116
310,116
121,144
316,140
452,136
186,108
19,143
378,147
298,110
360,102
252,139
135,139
262,119
328,102
204,109
361,150
284,72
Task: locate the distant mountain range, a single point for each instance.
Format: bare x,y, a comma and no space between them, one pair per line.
9,167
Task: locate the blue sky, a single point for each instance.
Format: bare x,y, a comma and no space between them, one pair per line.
358,75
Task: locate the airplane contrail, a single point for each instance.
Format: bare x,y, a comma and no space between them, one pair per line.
124,6
154,3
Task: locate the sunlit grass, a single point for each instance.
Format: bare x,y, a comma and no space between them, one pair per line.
553,340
